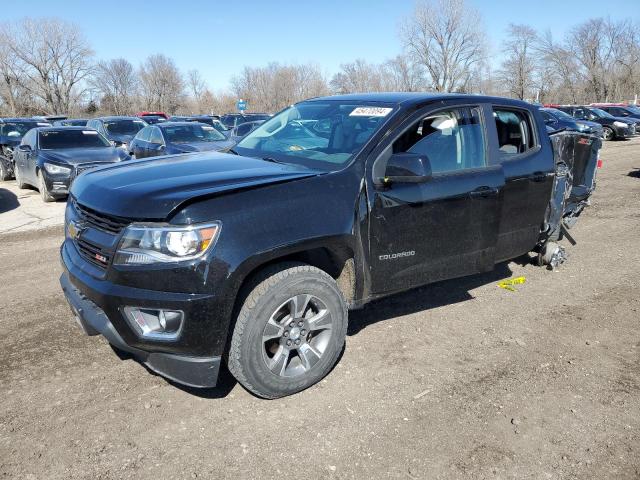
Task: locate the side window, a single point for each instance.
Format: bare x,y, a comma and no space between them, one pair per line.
156,136
144,134
451,139
515,132
243,129
548,117
30,139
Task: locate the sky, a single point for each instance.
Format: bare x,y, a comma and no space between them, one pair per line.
219,38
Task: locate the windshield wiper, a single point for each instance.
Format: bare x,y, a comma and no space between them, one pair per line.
271,159
231,150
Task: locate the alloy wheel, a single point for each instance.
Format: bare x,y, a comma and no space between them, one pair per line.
296,335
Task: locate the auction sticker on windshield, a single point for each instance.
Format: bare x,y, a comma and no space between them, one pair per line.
370,112
89,132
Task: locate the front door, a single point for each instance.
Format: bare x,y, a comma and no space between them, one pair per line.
448,225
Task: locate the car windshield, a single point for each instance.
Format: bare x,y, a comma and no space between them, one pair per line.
192,133
17,129
151,120
633,109
54,139
315,134
73,123
600,113
124,127
560,114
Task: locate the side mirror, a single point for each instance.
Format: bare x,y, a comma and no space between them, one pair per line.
407,168
24,148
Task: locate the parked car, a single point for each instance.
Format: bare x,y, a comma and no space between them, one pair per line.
11,132
171,138
612,127
49,158
237,133
49,118
118,130
152,114
258,256
71,122
557,119
620,110
153,119
207,119
231,120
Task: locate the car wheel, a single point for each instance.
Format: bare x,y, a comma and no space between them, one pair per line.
4,175
608,133
18,175
42,187
289,332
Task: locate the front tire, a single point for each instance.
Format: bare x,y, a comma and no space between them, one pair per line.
18,175
289,332
608,133
42,187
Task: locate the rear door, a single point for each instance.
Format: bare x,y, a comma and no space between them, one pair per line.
447,226
521,147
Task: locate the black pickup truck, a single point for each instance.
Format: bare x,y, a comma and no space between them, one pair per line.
255,256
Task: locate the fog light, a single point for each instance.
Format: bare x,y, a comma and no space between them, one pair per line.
155,323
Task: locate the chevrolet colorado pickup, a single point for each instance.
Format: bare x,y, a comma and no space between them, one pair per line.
255,256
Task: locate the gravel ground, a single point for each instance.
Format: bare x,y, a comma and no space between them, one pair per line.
461,379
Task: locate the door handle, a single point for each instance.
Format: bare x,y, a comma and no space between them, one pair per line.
484,192
538,177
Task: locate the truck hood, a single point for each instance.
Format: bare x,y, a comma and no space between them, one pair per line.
75,156
151,189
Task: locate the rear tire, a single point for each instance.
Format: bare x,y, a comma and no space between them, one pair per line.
608,133
42,187
289,332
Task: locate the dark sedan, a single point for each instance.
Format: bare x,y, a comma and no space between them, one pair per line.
612,127
71,122
208,119
49,158
172,138
559,120
118,130
11,132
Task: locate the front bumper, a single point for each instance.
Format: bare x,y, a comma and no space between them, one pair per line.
201,372
626,132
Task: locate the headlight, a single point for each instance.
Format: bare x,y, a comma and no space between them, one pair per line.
142,245
620,124
54,169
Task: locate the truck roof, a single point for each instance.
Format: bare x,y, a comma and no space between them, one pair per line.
415,98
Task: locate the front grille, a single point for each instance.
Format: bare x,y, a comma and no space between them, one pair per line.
93,253
100,221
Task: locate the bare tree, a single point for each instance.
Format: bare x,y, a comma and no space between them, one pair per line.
563,69
161,84
116,82
52,61
197,87
519,66
276,86
401,74
358,76
445,37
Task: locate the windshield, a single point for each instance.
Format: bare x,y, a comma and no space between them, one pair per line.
560,114
194,132
151,120
54,139
633,109
17,129
124,127
600,113
316,134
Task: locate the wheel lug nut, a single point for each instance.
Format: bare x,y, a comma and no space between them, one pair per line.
286,333
303,332
298,342
288,343
300,323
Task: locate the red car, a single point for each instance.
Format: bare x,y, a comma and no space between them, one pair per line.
152,114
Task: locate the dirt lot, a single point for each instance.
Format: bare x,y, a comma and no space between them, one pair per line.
457,380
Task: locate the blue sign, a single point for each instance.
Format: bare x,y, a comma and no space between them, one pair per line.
242,105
